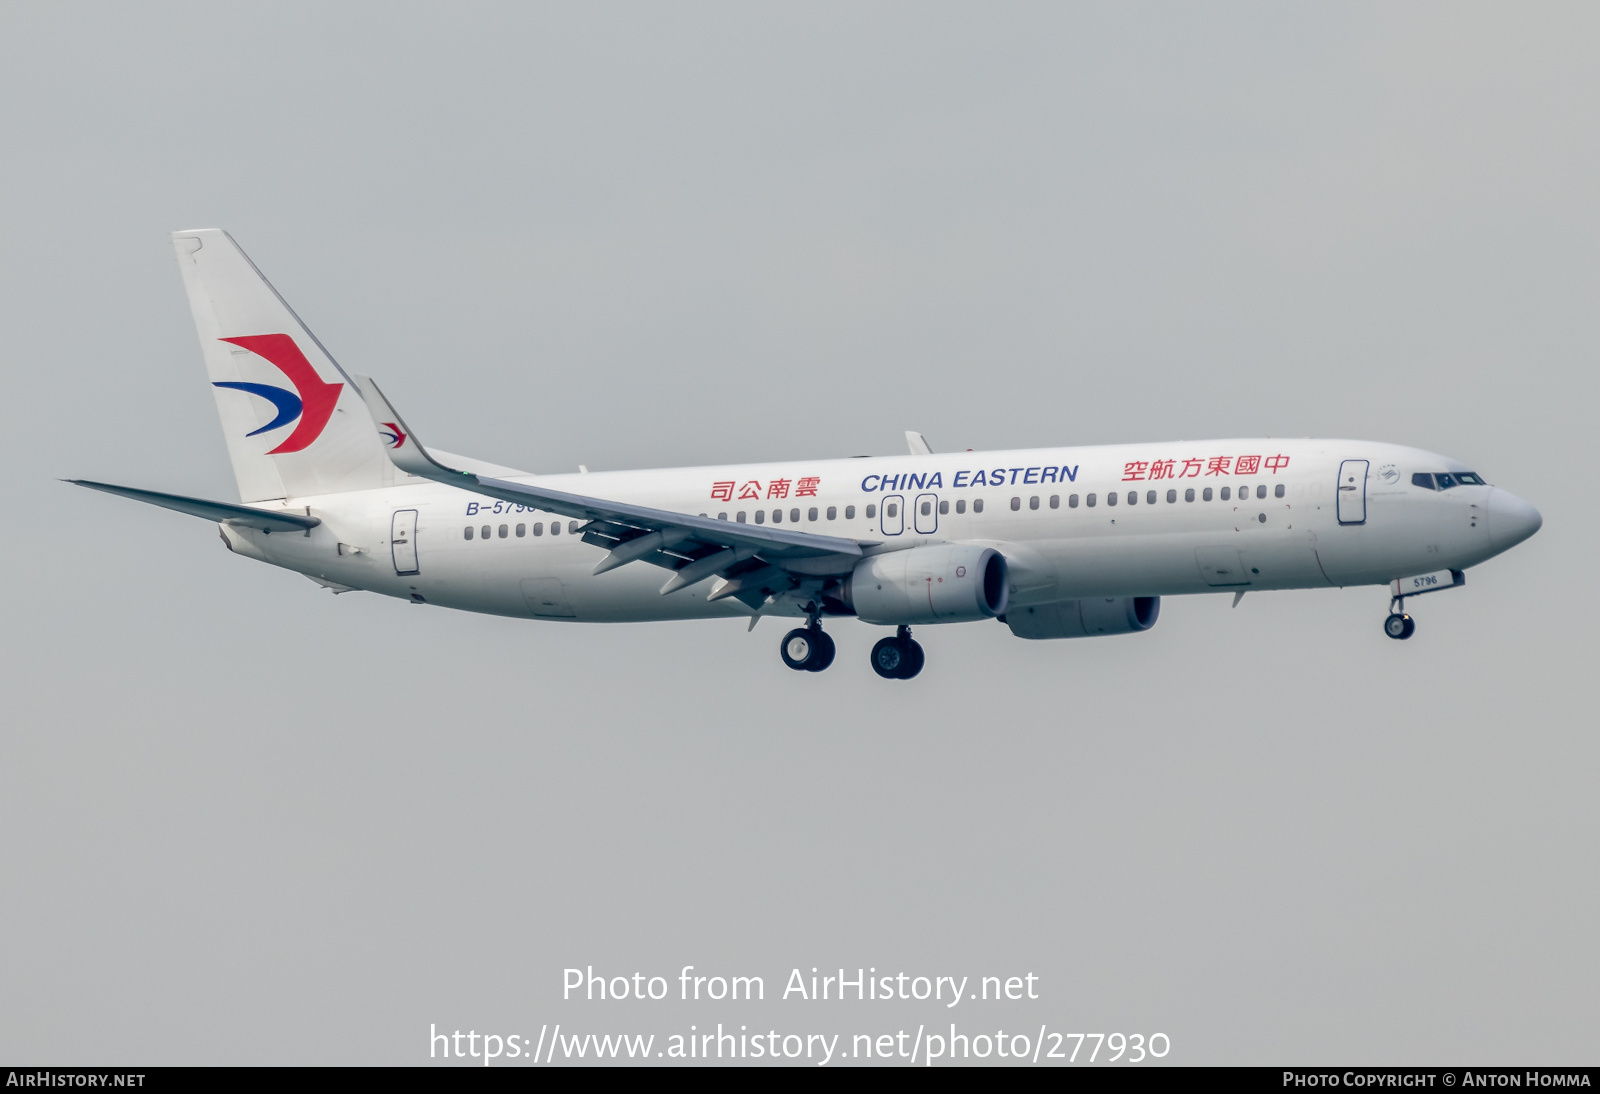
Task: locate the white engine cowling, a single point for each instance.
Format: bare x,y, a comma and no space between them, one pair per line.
949,583
1085,618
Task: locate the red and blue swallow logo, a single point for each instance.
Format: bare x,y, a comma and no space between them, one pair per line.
312,401
392,436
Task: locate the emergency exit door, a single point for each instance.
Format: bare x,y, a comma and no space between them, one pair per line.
1352,492
403,541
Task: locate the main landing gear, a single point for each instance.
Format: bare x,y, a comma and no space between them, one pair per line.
897,658
807,648
1399,625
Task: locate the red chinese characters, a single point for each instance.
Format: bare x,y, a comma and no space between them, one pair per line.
776,488
1191,469
1247,465
1277,463
1135,470
1218,465
1162,469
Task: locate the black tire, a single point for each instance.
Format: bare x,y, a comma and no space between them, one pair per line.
1398,626
823,657
799,648
1411,627
914,660
888,658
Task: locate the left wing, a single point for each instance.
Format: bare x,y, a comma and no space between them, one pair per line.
754,562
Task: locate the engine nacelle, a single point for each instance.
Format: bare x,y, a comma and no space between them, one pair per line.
1085,618
949,583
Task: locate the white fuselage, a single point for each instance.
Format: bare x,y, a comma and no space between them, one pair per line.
1279,528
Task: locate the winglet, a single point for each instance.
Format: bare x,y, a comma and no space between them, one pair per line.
400,441
917,443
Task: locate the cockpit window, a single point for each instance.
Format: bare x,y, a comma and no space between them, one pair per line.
1445,481
1422,479
1470,478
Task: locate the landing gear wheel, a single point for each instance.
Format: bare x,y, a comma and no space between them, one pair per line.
897,658
799,648
825,649
1399,626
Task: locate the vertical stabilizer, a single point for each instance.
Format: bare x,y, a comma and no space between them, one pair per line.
294,423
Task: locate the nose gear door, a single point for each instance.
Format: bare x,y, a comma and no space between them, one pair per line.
1353,492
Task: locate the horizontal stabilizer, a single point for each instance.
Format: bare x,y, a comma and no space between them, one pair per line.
242,516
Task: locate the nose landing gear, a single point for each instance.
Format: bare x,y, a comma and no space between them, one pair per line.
897,658
1399,625
808,649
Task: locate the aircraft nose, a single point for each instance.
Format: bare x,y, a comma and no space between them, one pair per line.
1511,520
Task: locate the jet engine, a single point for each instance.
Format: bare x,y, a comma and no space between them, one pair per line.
1085,618
948,583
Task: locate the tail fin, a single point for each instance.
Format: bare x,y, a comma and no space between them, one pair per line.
295,424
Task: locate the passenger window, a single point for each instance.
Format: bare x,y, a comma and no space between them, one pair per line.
484,531
1277,491
1224,493
538,528
1089,501
849,512
1016,504
1172,496
872,511
977,505
572,527
892,509
1261,491
555,528
1188,495
777,516
1133,497
522,531
833,512
927,508
794,516
1111,498
469,531
1033,502
761,516
1207,495
1055,501
739,516
944,507
1150,498
722,516
1072,501
811,514
1422,479
961,506
504,531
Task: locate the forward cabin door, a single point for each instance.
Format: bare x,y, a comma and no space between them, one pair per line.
403,541
1353,492
925,516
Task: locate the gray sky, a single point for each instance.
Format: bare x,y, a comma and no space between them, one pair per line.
242,820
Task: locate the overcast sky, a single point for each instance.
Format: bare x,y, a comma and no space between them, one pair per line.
243,820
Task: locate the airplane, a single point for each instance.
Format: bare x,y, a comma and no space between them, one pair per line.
1051,542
